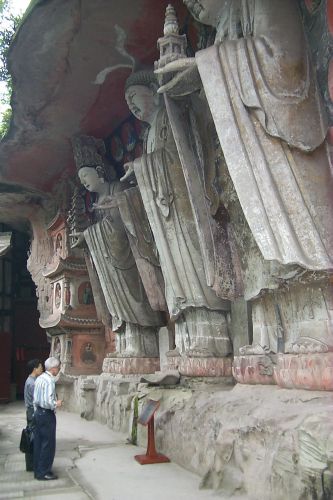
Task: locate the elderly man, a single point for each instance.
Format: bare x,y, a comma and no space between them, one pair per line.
35,368
45,403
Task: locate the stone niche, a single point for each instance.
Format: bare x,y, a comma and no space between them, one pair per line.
80,352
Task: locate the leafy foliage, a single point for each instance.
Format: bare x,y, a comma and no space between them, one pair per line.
5,122
8,26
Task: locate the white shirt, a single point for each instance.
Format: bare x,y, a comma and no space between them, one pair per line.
44,392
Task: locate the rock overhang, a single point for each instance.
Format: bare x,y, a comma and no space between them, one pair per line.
69,61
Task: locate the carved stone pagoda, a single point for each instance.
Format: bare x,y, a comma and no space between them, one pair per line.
76,335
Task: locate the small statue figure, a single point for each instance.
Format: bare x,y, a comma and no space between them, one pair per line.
199,315
109,247
58,246
87,296
57,295
57,348
87,355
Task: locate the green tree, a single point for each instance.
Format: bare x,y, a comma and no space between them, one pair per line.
8,26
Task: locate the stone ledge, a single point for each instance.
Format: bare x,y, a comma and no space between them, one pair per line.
305,371
201,367
125,366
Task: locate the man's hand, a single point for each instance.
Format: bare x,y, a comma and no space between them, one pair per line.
59,403
186,78
130,175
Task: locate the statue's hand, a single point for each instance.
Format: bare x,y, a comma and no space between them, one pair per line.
186,79
79,240
130,175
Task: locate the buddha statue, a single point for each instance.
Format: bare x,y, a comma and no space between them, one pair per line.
261,90
198,313
109,247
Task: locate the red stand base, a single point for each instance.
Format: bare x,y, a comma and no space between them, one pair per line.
151,456
153,459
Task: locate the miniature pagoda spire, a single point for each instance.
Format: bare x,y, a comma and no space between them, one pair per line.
171,23
172,45
77,218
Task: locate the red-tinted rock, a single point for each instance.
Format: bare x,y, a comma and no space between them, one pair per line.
126,366
305,371
205,367
330,15
253,369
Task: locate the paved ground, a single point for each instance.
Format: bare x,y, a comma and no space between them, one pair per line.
92,463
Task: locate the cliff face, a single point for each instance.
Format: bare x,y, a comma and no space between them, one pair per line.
69,61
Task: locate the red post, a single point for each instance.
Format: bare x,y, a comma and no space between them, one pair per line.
151,456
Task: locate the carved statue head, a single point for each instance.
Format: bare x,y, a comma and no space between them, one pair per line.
206,11
141,95
93,168
90,179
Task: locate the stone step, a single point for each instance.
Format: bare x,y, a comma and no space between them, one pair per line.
56,494
21,475
32,484
16,463
74,493
13,494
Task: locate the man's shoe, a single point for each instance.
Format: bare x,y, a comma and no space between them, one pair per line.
47,477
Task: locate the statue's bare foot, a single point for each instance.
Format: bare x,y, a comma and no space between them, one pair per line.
306,345
173,353
199,352
254,349
129,354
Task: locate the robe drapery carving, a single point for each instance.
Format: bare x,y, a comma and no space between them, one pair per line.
261,91
262,94
120,281
133,318
164,193
198,313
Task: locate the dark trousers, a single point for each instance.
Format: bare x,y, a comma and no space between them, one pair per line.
29,460
44,441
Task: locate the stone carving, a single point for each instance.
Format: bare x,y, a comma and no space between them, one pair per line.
199,315
87,399
49,243
111,253
41,252
62,271
57,347
66,361
67,293
77,219
87,354
85,294
57,295
5,243
143,246
261,89
192,132
58,244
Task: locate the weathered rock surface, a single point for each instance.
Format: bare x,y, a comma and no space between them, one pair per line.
69,61
257,442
